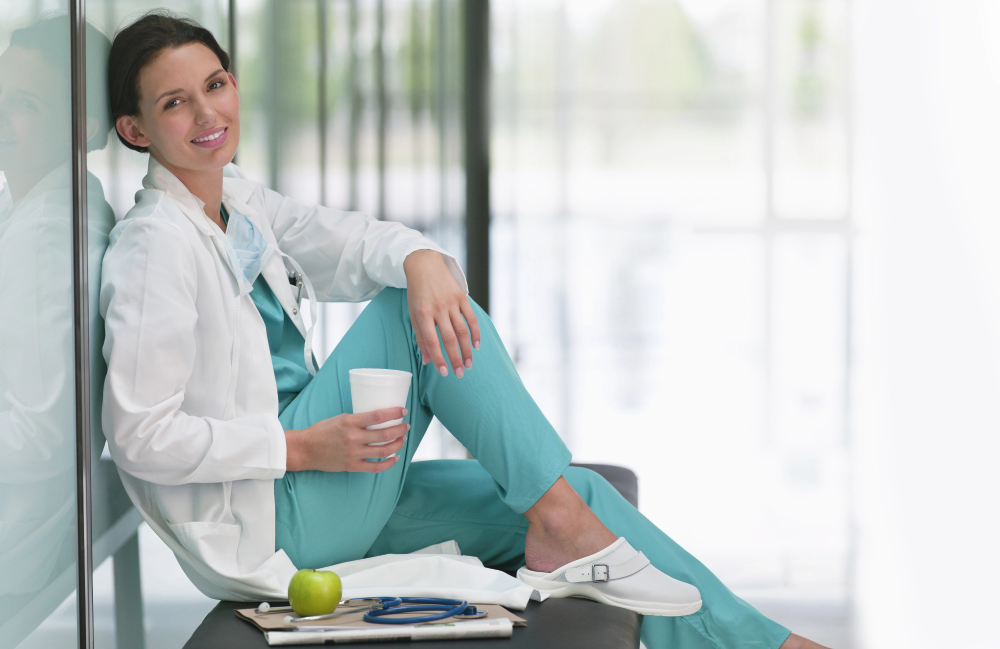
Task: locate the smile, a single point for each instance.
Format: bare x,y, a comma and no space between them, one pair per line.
212,139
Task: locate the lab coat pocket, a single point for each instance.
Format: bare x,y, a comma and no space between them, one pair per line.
214,544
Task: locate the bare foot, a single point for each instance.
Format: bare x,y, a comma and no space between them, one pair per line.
562,528
798,642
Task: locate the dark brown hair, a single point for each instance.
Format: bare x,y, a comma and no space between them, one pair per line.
141,42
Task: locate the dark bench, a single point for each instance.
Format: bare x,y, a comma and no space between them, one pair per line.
554,624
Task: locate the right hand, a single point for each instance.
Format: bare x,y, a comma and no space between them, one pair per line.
341,443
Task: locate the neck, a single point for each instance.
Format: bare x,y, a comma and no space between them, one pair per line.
20,183
206,185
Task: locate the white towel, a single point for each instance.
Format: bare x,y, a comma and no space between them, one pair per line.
437,571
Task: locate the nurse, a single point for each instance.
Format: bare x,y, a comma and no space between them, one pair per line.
240,454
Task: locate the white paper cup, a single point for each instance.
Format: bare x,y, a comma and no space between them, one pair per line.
374,389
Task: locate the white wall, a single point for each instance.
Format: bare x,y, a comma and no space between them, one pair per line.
928,399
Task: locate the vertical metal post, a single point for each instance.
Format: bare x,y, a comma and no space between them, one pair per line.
231,24
273,104
416,104
476,64
381,98
321,20
81,323
355,108
440,51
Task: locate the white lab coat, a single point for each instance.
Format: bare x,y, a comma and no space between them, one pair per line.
204,481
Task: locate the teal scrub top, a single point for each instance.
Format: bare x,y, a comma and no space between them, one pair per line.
286,343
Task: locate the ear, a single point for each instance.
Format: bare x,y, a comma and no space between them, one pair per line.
129,129
232,79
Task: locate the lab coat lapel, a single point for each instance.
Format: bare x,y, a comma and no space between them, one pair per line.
236,194
276,276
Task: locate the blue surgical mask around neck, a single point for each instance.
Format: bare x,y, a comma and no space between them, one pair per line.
247,250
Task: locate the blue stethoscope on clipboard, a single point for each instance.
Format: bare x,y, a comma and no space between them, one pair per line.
382,610
445,608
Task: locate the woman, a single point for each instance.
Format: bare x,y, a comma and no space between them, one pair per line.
238,451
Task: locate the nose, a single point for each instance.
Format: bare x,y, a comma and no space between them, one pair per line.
204,113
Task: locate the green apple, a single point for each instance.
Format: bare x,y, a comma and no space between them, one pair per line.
314,592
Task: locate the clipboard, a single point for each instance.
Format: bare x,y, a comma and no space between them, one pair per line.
275,620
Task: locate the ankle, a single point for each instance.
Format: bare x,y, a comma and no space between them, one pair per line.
557,509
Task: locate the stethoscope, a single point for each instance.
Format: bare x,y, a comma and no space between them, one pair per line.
380,609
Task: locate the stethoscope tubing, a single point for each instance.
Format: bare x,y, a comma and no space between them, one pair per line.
381,608
445,608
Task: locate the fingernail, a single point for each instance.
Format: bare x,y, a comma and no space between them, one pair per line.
459,372
476,344
468,363
404,413
444,370
425,360
407,427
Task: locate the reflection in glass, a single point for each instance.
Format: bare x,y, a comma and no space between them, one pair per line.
37,387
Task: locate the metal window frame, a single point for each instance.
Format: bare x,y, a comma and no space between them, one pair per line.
476,121
81,323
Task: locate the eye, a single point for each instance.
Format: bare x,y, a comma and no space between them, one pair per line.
171,103
216,84
30,105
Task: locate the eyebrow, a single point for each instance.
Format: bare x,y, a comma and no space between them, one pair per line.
175,90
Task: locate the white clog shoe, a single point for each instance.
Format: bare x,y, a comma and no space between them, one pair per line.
620,576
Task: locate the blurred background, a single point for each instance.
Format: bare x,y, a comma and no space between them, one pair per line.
746,248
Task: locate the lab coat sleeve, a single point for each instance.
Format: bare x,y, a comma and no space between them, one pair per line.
348,256
148,293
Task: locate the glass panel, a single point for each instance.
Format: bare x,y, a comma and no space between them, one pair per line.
38,528
642,280
628,108
810,121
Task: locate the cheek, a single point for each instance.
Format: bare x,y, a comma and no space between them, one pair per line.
169,131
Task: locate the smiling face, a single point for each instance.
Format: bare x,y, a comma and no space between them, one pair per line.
34,115
189,111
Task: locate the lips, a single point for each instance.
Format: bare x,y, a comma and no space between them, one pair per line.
211,139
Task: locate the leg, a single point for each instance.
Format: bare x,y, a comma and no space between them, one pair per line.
454,499
326,518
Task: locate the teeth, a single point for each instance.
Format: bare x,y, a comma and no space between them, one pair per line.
210,137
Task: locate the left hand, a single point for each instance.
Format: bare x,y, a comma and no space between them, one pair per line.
437,302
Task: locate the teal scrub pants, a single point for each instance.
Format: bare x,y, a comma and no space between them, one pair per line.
328,518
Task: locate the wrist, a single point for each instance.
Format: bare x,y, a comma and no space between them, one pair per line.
420,258
295,452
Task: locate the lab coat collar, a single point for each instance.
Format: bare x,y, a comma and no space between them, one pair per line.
235,191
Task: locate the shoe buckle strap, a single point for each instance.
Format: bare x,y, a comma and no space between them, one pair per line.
602,572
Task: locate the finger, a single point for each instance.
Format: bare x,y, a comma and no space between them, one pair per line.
462,332
366,419
472,320
450,340
382,435
361,466
419,333
386,450
431,340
